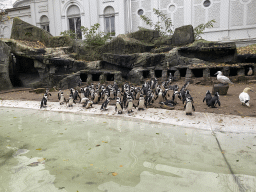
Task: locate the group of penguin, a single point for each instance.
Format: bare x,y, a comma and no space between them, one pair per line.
149,94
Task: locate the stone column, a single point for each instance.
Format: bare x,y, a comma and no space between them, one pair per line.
177,75
89,78
152,73
189,75
4,66
102,78
164,75
118,78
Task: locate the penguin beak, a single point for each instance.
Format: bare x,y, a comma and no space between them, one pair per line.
216,73
251,90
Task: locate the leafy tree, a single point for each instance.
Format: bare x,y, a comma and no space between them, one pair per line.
167,29
93,37
69,33
198,30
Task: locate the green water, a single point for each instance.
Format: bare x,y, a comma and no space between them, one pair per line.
50,151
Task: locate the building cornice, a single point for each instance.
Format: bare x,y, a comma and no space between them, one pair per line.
17,8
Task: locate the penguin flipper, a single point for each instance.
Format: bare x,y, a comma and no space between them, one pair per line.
42,103
203,99
218,102
79,98
193,107
59,96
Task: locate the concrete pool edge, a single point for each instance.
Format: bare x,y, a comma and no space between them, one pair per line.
206,121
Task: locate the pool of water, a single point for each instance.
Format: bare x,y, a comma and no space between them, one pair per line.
55,151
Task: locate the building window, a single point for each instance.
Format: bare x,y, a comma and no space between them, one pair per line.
74,21
109,20
140,12
44,23
207,3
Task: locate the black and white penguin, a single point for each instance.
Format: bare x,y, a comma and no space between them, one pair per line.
96,97
104,105
44,101
141,103
175,96
88,104
208,97
70,101
119,106
214,101
48,92
130,104
189,107
62,98
75,94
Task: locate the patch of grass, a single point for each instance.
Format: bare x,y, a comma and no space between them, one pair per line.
250,49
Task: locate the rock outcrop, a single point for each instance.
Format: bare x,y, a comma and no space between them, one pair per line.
4,66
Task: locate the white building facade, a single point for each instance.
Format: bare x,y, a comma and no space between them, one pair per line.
235,19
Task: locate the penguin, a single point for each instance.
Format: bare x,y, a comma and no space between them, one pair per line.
182,96
130,104
141,103
104,105
214,101
59,94
223,79
96,97
250,72
119,106
168,104
119,94
62,99
161,96
208,97
244,97
75,94
84,101
44,101
70,101
189,107
174,96
112,94
48,93
88,104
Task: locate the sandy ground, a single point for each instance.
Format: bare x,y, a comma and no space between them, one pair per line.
231,116
230,104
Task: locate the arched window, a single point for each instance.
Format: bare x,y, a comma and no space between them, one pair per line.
109,20
44,22
74,20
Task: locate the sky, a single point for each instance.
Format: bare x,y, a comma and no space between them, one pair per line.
4,4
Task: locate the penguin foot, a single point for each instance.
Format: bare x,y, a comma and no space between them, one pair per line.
188,113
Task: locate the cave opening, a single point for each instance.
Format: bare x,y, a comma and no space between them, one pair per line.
233,71
197,72
96,77
246,70
183,72
83,77
110,77
170,71
158,73
213,71
146,74
22,72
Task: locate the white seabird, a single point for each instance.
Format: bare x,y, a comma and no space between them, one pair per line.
222,79
244,97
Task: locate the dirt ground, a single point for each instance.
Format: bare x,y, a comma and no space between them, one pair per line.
230,104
